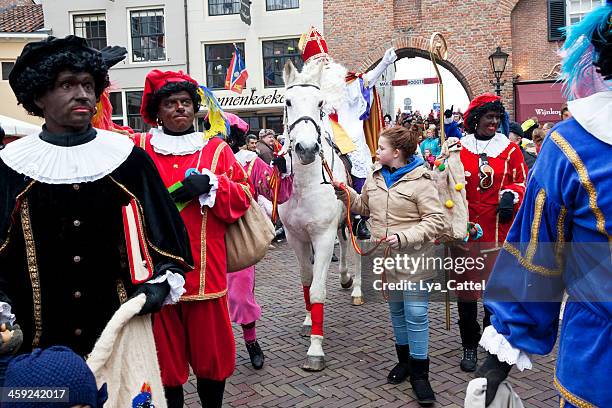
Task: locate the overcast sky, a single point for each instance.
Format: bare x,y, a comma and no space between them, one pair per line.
423,96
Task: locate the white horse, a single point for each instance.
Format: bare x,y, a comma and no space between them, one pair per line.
312,216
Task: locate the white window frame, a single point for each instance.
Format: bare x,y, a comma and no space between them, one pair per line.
2,62
581,14
261,56
220,15
282,9
129,32
124,116
204,44
73,14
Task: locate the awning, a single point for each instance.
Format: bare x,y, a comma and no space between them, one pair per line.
540,99
16,127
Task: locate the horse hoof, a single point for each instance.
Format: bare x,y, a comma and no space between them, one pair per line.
348,284
314,363
305,330
357,300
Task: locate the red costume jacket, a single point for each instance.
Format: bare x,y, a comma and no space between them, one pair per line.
510,173
206,226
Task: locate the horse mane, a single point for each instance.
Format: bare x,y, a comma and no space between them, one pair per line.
332,82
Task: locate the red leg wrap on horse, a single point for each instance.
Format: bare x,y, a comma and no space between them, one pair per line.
307,297
316,315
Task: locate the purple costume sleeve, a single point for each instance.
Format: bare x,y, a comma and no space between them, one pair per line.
260,179
367,95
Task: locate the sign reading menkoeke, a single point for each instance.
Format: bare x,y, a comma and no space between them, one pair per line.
253,99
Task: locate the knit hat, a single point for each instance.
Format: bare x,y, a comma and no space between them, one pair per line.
55,367
516,129
266,132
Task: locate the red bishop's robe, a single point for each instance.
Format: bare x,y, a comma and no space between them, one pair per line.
510,173
206,225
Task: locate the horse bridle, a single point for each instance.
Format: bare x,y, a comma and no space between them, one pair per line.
307,119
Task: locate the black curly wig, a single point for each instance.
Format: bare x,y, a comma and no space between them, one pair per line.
38,79
602,42
475,114
169,89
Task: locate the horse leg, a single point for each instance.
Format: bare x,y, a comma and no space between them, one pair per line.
323,248
356,295
346,281
303,252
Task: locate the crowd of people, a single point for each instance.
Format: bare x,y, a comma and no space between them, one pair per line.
93,217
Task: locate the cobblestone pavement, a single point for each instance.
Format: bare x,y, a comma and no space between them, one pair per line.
359,352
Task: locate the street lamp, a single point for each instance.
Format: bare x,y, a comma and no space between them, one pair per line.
498,64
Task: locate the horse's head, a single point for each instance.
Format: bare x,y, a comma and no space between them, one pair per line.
303,104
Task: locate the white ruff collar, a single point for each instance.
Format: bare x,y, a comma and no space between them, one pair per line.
245,156
176,145
492,147
51,164
594,113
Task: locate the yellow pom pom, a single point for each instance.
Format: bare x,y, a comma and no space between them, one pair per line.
459,186
449,204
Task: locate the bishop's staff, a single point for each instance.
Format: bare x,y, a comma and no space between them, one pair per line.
438,51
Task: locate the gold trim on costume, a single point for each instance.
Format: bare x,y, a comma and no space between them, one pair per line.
561,402
535,226
156,249
8,232
571,398
201,290
207,296
542,270
121,292
560,245
144,239
585,180
218,150
28,237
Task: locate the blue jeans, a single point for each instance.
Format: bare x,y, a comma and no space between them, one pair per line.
410,321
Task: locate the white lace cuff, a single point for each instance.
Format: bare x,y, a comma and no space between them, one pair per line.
516,196
208,199
497,344
176,282
5,313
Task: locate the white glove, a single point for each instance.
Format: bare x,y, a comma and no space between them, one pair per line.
389,58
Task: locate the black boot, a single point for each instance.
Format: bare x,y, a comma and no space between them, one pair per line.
469,360
362,229
470,334
256,355
419,379
174,396
211,392
401,371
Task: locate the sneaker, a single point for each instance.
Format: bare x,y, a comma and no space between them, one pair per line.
469,360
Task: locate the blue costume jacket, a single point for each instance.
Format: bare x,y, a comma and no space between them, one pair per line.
452,130
561,240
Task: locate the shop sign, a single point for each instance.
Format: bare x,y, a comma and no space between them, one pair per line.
254,99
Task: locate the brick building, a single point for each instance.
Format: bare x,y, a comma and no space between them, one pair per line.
358,34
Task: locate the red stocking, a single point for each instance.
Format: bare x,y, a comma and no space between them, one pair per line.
307,297
317,319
